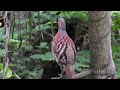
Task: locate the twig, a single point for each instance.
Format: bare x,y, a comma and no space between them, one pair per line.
5,58
47,33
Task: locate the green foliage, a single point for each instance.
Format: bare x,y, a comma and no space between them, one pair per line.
43,45
46,56
9,72
74,14
65,14
83,56
82,62
116,20
116,58
36,73
36,56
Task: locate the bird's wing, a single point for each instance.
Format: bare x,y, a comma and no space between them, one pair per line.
70,55
75,53
58,49
54,49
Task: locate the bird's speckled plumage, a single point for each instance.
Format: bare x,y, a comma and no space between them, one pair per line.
64,50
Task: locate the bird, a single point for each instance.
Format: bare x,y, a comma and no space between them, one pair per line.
64,51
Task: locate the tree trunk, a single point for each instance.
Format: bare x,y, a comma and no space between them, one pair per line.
102,65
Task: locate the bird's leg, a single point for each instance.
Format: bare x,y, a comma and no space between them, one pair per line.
62,71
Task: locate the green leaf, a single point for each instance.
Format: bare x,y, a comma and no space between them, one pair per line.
13,40
12,65
43,44
77,67
44,27
47,56
36,56
83,56
37,28
35,20
67,14
61,14
8,73
35,14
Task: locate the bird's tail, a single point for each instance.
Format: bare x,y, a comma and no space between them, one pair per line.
70,72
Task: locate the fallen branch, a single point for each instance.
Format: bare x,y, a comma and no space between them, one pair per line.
83,74
79,75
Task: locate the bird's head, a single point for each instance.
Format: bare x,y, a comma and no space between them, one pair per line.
61,24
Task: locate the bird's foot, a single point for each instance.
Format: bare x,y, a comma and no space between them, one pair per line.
61,76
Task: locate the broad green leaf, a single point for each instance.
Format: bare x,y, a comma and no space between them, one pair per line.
8,73
43,44
77,67
35,14
37,28
49,56
35,20
36,56
13,40
46,56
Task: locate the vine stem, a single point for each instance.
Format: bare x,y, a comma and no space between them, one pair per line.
5,57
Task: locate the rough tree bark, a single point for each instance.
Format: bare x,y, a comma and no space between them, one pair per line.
102,65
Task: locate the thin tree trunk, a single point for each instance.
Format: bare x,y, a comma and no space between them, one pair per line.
102,65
